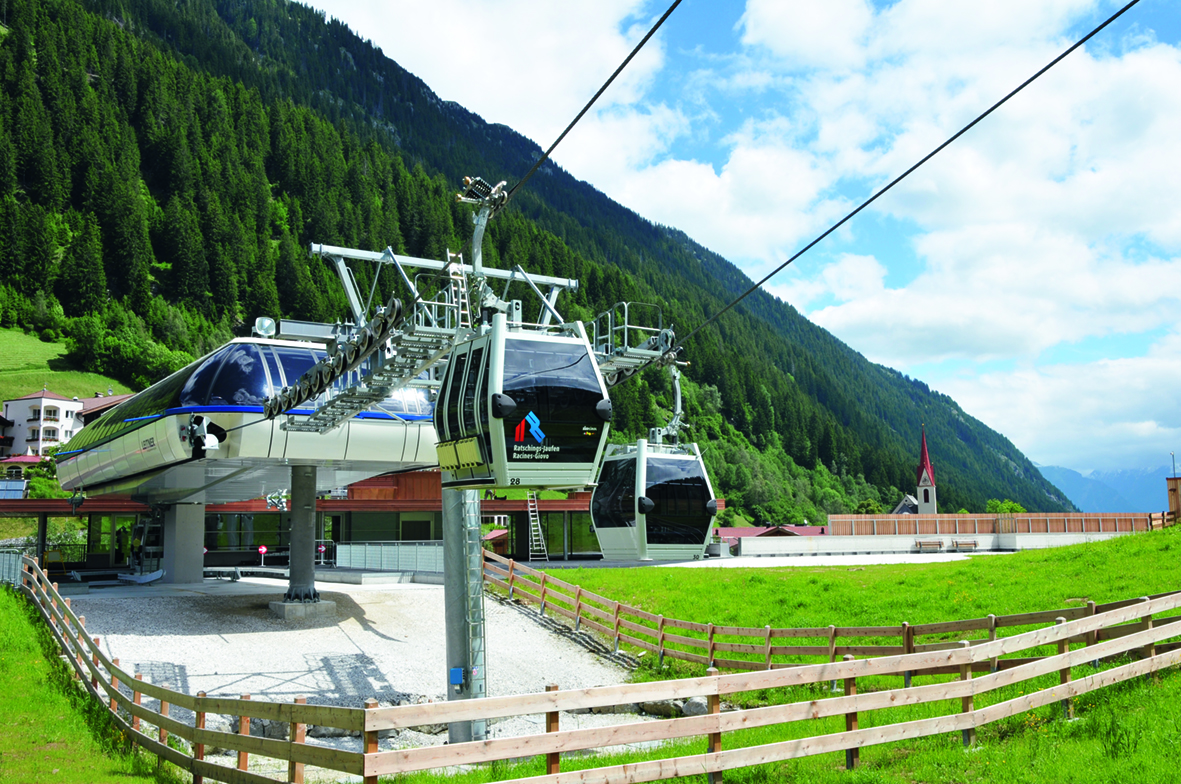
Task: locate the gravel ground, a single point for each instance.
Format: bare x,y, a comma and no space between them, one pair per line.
385,642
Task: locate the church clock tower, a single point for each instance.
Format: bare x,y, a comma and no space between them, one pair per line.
926,481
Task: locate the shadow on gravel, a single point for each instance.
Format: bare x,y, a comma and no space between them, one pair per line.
585,640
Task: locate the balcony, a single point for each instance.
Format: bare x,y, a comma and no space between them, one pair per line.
49,418
49,439
33,437
6,440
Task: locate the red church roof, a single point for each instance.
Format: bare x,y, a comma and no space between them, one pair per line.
925,463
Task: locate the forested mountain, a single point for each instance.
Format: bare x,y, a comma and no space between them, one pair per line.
164,165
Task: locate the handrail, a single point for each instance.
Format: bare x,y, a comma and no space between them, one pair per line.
1104,631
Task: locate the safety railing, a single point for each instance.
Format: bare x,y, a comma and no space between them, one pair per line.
141,709
423,557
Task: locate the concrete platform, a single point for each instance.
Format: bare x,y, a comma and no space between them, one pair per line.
294,611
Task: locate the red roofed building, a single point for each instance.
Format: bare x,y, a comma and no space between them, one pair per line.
925,478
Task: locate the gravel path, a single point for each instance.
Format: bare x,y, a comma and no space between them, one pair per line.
385,642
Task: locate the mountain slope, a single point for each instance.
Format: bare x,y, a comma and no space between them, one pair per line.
205,170
1087,493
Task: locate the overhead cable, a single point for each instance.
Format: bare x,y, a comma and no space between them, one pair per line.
591,102
904,174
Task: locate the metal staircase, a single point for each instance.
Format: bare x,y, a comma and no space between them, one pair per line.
537,549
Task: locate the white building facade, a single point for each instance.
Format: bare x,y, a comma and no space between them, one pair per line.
37,421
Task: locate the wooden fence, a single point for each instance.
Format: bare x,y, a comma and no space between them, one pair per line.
966,524
1099,633
752,648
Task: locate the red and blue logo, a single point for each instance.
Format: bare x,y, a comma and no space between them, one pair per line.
533,425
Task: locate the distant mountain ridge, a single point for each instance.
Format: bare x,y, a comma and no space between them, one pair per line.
1112,491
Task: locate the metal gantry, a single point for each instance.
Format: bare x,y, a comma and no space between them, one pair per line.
410,341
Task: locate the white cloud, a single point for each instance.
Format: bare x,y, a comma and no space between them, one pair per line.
1052,222
1106,415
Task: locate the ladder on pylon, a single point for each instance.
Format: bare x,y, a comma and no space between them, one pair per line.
537,551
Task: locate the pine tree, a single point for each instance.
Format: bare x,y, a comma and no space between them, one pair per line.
185,251
82,285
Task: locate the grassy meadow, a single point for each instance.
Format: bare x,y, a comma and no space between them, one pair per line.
50,730
1121,568
1128,732
28,364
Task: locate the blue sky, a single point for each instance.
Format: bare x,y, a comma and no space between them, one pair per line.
1031,271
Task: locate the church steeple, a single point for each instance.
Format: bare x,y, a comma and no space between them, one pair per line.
925,478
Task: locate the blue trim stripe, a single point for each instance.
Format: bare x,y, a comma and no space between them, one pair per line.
296,411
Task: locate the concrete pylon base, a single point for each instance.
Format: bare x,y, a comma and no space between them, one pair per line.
294,611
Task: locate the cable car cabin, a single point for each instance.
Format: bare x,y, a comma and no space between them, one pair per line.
200,434
653,502
522,408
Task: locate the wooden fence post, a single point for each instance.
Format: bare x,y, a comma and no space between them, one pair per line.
853,755
907,647
553,763
617,627
114,688
511,587
1093,635
94,672
298,735
371,736
199,748
767,648
76,641
577,608
709,651
966,706
715,738
541,609
136,698
660,640
162,734
1150,648
832,653
992,638
243,730
1064,673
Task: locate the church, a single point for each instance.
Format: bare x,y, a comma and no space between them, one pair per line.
924,501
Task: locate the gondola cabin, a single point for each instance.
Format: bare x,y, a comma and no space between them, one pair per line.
653,502
200,434
522,408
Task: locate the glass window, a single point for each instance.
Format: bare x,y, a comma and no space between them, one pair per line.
614,502
296,362
680,493
242,380
474,373
558,384
582,534
196,390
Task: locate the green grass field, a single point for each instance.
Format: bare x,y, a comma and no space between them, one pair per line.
1124,733
28,365
50,731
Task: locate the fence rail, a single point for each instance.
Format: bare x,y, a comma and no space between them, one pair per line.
1103,632
752,648
968,524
